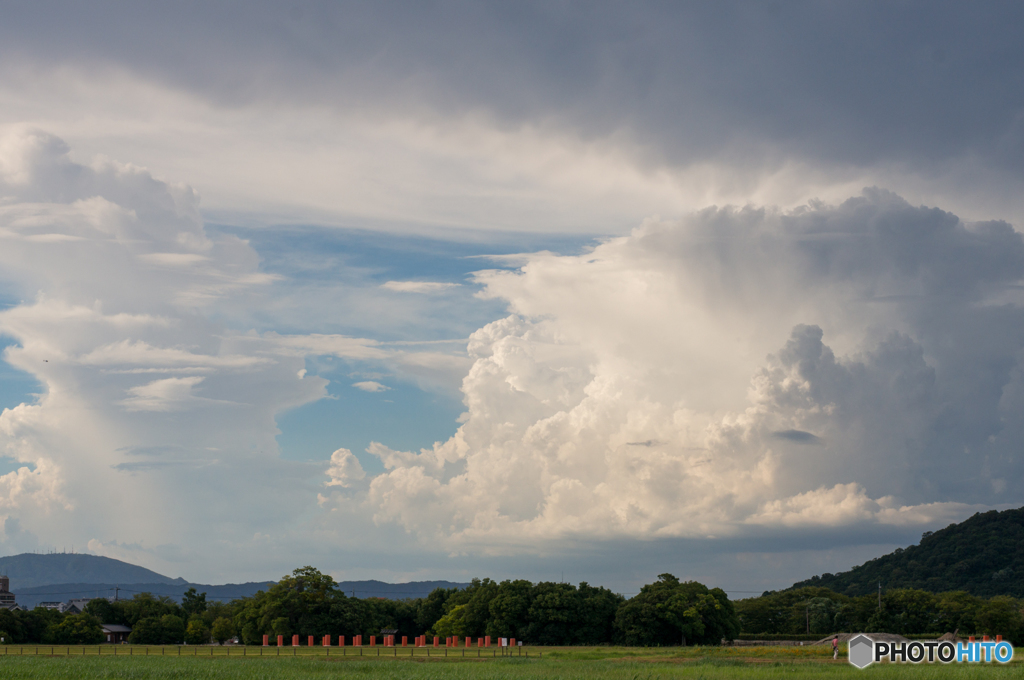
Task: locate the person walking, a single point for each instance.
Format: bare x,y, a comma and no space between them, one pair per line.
835,647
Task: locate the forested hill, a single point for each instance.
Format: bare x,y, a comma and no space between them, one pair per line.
31,569
983,555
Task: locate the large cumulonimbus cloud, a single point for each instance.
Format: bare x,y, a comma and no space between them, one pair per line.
739,370
155,428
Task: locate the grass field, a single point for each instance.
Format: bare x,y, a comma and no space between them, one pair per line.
600,663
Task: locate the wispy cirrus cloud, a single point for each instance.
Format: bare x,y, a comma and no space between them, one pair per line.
370,386
424,287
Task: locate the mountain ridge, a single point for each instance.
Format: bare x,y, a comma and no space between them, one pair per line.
96,578
983,555
29,570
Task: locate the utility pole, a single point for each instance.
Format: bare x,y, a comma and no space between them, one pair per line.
879,596
116,590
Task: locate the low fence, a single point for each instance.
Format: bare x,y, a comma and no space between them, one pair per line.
241,650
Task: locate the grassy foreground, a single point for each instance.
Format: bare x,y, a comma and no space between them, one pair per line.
611,663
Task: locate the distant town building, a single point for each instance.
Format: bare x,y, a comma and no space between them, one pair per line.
7,600
59,606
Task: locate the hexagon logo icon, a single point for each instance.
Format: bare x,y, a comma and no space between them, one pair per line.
862,651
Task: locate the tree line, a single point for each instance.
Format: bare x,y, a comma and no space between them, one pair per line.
905,611
667,612
307,602
153,620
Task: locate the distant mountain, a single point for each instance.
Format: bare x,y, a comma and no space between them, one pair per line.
983,555
62,592
394,591
59,577
29,570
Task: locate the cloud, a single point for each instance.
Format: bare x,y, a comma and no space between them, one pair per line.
370,386
321,344
537,117
798,436
667,383
168,394
137,353
425,287
345,469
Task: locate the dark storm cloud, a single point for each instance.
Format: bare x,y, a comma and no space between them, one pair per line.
861,83
798,436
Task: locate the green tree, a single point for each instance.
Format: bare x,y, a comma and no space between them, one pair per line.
173,629
144,606
957,610
147,631
669,612
1001,615
281,626
39,622
910,611
12,627
508,607
193,603
309,603
196,633
76,629
597,615
431,608
553,616
106,611
222,630
453,623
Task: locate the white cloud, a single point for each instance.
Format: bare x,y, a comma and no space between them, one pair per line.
321,344
142,388
875,317
784,370
345,469
168,394
370,386
418,286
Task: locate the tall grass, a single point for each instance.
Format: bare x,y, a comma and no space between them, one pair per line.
286,668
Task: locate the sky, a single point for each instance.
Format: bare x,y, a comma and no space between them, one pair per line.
545,290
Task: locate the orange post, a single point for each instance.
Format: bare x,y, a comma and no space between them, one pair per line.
326,642
479,642
310,642
404,640
437,641
999,638
512,642
984,638
373,640
266,640
280,641
487,641
341,640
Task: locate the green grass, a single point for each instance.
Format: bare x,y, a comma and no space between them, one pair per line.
558,663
